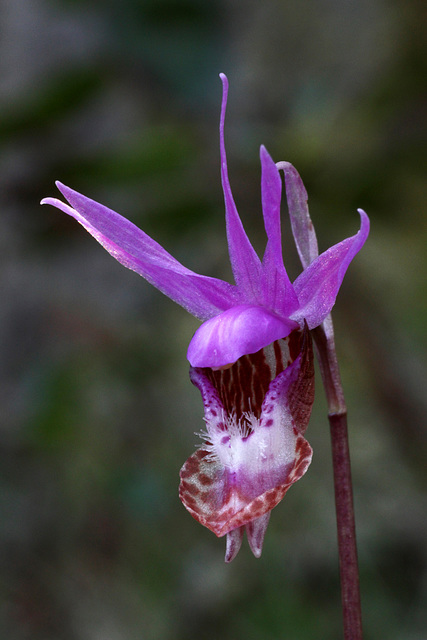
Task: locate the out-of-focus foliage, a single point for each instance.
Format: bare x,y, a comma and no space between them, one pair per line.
120,100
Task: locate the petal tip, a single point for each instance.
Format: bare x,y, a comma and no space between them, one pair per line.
63,188
263,154
49,200
364,224
53,202
267,160
364,216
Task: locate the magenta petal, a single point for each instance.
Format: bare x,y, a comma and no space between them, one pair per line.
238,331
278,293
318,285
244,261
271,194
202,296
302,227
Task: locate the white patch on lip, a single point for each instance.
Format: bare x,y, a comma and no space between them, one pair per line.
248,444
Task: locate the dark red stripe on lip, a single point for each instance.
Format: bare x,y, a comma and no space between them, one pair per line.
243,386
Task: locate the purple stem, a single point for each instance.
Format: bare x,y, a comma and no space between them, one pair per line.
347,549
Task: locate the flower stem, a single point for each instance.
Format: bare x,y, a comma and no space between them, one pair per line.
347,549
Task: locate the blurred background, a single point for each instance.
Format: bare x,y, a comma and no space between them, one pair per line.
120,100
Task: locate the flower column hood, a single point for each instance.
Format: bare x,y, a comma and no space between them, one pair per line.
251,358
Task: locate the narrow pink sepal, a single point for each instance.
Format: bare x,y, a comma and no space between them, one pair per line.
245,263
202,296
278,293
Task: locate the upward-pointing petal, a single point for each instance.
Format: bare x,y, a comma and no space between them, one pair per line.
278,291
271,194
202,296
318,285
244,261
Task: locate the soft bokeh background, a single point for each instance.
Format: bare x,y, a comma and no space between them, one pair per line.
120,100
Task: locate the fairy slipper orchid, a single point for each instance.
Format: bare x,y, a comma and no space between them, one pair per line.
256,412
251,358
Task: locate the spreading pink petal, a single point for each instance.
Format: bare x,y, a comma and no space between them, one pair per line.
202,296
278,291
238,331
244,261
318,285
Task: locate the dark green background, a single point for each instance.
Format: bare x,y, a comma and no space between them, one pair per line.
120,100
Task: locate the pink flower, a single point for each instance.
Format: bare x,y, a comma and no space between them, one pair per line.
251,358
